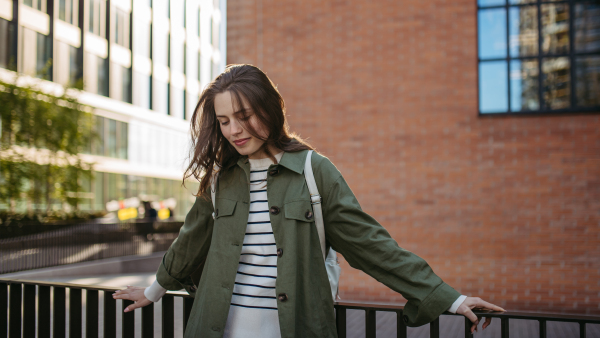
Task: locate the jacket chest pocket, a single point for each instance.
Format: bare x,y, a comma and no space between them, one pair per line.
224,208
299,210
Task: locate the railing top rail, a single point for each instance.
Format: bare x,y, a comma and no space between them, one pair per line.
79,286
508,314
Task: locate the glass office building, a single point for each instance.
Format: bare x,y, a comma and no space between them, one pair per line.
143,64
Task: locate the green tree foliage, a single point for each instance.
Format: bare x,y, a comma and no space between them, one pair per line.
42,137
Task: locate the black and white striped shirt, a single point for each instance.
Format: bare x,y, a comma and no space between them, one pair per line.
253,310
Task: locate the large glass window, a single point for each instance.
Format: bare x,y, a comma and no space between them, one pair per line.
97,21
75,70
40,5
102,76
126,80
7,35
122,28
112,138
538,56
43,65
67,11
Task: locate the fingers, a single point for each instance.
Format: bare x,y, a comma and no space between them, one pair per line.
132,307
488,321
480,303
472,317
474,326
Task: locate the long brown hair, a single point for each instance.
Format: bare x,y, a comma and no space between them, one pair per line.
210,147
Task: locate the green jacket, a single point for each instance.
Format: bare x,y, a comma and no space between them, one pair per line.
307,311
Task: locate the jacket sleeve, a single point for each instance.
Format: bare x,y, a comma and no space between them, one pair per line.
367,246
189,249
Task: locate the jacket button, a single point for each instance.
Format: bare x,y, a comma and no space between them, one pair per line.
279,252
308,215
216,212
282,297
193,288
274,210
224,286
274,172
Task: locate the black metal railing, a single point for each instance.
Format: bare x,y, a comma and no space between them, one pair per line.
60,244
91,310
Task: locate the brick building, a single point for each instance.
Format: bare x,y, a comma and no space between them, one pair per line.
503,205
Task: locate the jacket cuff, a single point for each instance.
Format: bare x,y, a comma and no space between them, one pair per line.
166,280
436,303
154,292
455,305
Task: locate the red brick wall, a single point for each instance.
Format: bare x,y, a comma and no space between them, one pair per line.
505,208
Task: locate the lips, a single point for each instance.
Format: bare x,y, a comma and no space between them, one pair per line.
241,142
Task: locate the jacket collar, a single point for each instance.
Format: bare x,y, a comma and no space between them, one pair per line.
293,161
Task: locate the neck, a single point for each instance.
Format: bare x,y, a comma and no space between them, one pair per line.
261,154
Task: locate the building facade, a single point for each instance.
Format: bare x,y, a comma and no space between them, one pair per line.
142,65
469,129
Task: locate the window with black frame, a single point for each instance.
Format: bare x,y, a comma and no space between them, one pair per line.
538,56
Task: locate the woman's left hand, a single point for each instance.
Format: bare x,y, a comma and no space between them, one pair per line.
478,304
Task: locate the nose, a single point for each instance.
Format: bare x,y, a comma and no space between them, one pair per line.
236,127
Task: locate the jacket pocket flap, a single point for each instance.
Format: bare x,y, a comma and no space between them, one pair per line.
299,210
224,207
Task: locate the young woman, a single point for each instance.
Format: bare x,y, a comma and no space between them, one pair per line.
263,272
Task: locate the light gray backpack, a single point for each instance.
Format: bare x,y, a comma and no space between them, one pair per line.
331,262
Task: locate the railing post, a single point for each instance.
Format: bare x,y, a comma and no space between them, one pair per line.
127,320
91,314
168,325
542,328
14,314
371,325
434,328
504,328
28,310
148,321
3,308
75,328
582,332
110,315
58,304
340,321
188,302
401,330
468,324
43,311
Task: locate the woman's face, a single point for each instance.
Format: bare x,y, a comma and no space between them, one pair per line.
231,121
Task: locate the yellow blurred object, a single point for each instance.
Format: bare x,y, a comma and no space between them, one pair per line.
164,213
127,213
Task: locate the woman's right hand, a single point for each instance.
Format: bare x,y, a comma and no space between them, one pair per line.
135,294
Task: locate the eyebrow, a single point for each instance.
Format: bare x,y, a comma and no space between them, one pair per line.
237,112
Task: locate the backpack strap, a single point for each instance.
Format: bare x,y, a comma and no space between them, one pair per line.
213,191
315,200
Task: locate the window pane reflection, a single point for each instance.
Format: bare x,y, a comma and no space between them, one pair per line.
555,28
490,2
524,85
556,83
523,31
493,87
587,77
587,27
516,2
492,33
